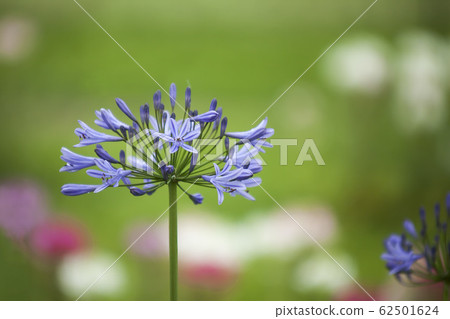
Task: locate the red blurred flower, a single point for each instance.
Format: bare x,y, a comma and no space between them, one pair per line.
207,275
55,239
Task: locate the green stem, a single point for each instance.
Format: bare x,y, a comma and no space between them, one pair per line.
173,241
445,294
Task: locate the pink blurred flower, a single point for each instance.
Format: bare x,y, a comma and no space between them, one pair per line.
357,294
56,238
208,275
22,207
152,242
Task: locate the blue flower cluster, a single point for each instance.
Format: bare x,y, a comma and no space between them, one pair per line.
161,149
421,257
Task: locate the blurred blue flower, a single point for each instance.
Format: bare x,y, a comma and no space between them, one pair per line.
399,256
404,252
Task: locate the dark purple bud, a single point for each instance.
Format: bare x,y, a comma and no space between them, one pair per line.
100,151
77,189
194,113
223,126
173,94
433,254
124,108
437,213
428,256
166,170
124,132
207,117
423,220
122,157
246,174
187,98
136,191
132,132
409,227
213,105
403,240
227,144
173,116
194,159
157,100
196,198
164,118
217,120
145,114
447,203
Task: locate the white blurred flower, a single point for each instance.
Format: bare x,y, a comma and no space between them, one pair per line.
202,238
278,234
76,272
17,38
310,113
359,65
321,273
207,238
422,80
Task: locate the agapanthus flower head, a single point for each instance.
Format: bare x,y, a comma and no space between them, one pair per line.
162,147
423,257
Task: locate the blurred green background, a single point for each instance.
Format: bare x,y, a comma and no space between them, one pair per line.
376,106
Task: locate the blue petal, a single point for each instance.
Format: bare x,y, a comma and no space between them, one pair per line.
220,196
174,147
209,116
100,151
192,135
77,189
124,108
173,94
173,127
213,105
188,148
